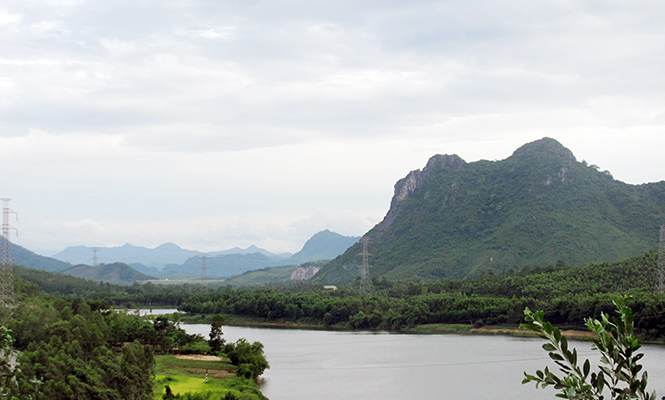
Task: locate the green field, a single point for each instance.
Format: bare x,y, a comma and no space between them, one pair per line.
210,380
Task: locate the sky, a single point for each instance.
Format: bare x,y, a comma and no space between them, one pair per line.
215,124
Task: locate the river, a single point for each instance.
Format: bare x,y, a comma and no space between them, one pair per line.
327,365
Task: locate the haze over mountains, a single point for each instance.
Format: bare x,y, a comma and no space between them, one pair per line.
167,253
171,261
540,206
452,219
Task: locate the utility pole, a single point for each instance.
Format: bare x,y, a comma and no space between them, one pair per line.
660,275
6,273
95,256
365,282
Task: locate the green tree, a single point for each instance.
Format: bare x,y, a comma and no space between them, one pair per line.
249,358
216,341
7,362
619,370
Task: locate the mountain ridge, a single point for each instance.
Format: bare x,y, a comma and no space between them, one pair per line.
454,219
116,273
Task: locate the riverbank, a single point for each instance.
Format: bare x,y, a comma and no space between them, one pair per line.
425,329
209,376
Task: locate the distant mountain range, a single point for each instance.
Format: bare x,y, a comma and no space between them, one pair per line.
125,264
167,253
540,206
117,273
324,245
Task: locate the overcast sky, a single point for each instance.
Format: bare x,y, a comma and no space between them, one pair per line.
215,124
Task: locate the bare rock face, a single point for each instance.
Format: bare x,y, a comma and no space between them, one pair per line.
417,178
302,274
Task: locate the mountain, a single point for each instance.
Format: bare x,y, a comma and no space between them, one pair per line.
116,273
262,277
324,245
251,250
540,206
25,257
167,253
170,261
218,267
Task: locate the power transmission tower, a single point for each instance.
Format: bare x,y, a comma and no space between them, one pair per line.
6,273
365,282
95,256
204,268
660,279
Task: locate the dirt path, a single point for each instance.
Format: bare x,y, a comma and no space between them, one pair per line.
199,357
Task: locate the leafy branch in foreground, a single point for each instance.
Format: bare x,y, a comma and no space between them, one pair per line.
619,369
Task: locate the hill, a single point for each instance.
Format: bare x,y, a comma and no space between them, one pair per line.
25,257
173,262
324,245
251,250
262,277
218,267
167,253
63,285
538,207
116,273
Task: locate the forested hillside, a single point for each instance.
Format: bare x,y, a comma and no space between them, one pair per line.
116,273
566,294
456,219
23,256
77,347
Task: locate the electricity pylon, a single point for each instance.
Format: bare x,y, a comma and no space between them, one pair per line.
95,256
365,282
6,273
204,268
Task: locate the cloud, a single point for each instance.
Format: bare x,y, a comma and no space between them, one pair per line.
280,113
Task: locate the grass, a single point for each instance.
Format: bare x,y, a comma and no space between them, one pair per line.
211,379
441,328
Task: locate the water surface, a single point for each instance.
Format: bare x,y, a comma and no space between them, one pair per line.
309,365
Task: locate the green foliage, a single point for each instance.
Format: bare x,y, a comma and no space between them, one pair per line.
200,346
79,350
186,379
216,340
566,294
619,370
263,276
538,206
7,363
249,358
